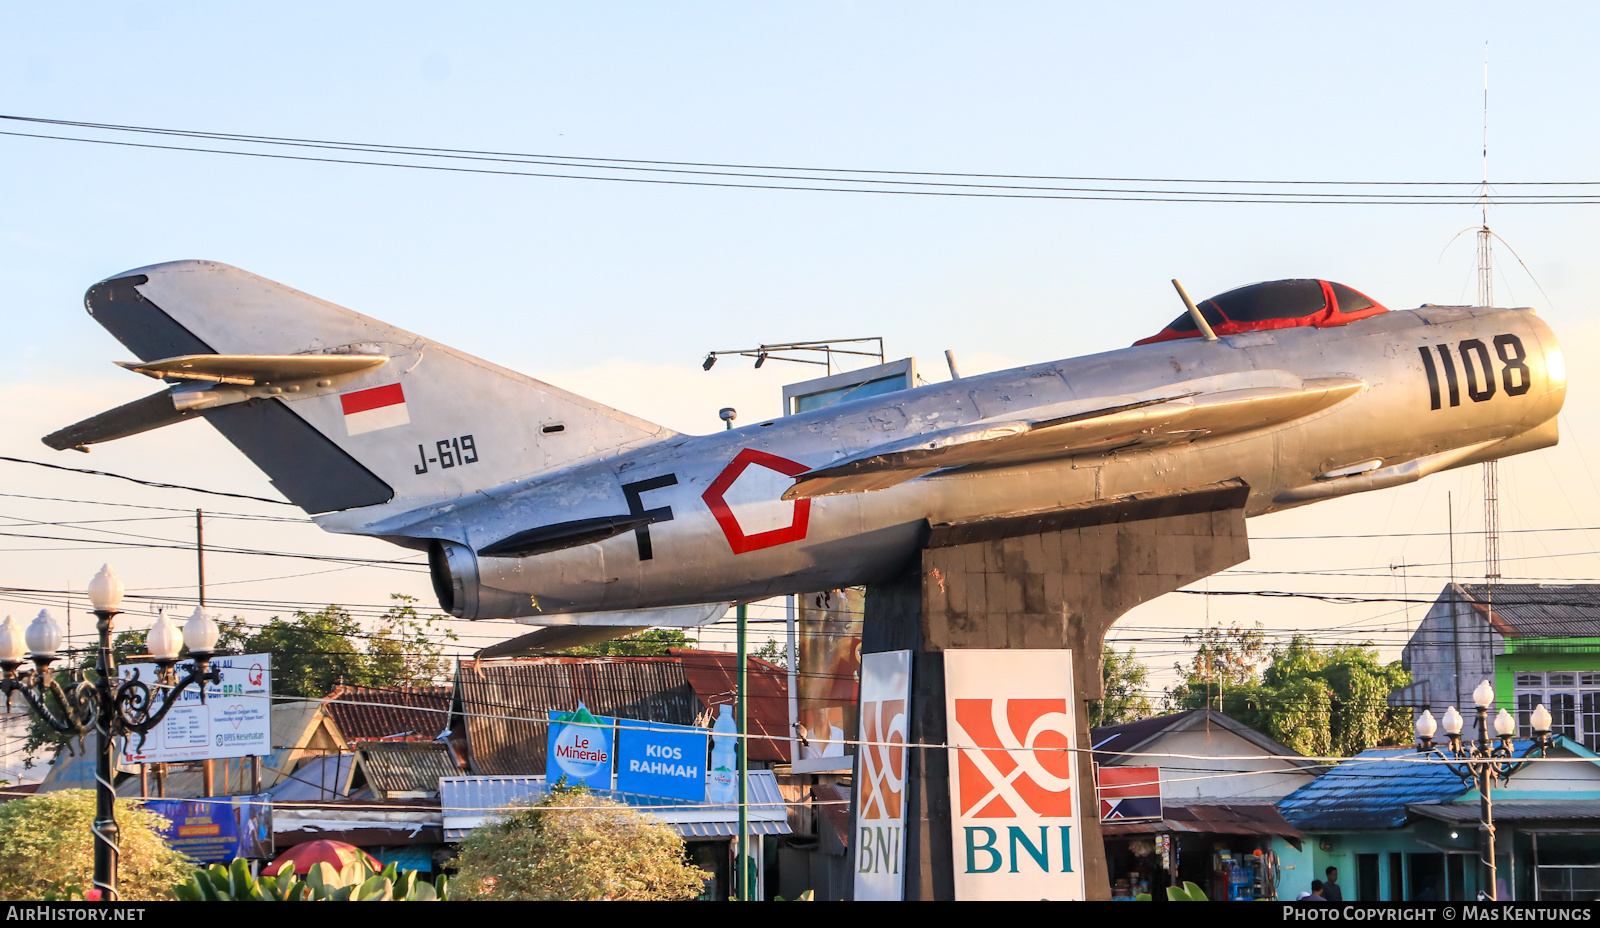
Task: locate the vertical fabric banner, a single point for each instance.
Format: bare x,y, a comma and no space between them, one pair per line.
1015,813
880,779
828,637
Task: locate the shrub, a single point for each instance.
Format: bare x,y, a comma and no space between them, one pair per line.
46,847
573,845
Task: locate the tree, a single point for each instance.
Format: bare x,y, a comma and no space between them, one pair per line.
46,845
773,653
316,651
571,845
1320,701
1124,678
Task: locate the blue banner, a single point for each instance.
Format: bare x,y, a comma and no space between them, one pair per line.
657,759
579,749
217,830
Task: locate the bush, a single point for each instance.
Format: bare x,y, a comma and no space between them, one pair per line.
573,845
46,846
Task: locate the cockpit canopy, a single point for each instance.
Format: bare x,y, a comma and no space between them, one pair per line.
1274,304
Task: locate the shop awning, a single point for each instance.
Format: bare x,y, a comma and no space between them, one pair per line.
1209,820
1513,810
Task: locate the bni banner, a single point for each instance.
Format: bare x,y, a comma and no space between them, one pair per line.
658,759
236,720
579,749
880,779
1015,818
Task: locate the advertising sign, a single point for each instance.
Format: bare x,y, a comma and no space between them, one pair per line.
217,830
658,759
1015,820
236,720
579,749
828,635
1129,793
880,778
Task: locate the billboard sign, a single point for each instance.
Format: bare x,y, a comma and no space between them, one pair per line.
217,830
236,720
880,800
1015,819
1129,793
579,749
657,759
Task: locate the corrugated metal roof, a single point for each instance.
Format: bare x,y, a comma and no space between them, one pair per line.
1512,810
714,676
468,802
1370,790
404,766
1231,819
505,702
421,712
1539,610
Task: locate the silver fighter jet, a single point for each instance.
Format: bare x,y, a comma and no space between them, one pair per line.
542,506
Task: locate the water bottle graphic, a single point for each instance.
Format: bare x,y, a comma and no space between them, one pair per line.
721,778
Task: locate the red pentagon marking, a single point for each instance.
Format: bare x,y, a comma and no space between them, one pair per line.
737,539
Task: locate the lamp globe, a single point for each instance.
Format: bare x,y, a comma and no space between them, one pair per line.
1540,719
105,590
200,633
12,645
164,639
1483,696
1452,722
1504,724
1426,726
44,635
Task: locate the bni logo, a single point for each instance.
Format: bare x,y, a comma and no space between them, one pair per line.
883,786
1015,758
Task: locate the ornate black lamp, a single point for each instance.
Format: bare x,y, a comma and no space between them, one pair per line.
113,707
1479,762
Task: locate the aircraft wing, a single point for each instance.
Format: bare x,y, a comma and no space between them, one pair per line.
253,369
1068,430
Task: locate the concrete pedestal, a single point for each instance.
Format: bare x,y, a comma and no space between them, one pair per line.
1046,580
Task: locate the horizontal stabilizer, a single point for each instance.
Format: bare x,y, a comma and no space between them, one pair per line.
1075,431
630,619
152,412
255,369
556,638
547,538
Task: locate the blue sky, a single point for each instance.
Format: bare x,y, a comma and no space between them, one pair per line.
617,290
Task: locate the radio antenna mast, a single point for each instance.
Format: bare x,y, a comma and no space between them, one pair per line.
1491,474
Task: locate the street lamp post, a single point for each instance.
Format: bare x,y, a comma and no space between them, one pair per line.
112,707
1482,760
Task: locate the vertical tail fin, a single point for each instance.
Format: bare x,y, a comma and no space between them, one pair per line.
429,424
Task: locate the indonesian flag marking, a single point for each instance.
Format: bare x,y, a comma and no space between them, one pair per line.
370,410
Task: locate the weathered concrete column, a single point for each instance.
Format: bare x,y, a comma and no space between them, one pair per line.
1045,580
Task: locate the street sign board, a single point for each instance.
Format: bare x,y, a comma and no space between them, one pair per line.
880,779
1015,819
658,759
1129,793
219,829
236,720
579,749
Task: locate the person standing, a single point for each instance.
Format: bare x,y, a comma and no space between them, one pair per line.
1330,886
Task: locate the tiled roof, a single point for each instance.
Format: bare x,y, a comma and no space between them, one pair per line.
504,703
1539,610
365,713
1370,790
714,676
1512,810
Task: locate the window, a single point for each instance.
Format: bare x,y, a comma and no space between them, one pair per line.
1573,699
1351,301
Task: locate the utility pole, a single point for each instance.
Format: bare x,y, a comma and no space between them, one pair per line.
742,612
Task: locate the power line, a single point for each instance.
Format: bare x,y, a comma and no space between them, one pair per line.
148,483
813,180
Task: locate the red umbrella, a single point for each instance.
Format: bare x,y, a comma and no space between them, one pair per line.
336,854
